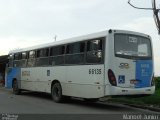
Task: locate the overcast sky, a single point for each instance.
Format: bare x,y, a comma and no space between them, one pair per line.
26,23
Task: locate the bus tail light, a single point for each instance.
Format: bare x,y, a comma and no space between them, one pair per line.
112,78
153,81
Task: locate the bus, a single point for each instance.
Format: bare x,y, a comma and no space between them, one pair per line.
93,66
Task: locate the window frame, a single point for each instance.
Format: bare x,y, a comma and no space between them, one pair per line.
19,57
72,45
103,39
42,55
51,51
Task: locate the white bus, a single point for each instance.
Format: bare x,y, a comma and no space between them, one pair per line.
108,63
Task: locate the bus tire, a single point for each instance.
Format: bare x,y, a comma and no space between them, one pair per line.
56,92
16,90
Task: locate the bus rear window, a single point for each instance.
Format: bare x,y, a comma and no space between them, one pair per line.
132,46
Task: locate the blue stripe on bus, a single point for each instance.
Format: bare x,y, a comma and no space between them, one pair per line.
12,73
144,72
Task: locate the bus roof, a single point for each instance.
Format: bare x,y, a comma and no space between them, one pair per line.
61,42
72,40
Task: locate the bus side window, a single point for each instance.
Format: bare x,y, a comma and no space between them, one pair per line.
42,57
32,54
24,55
58,50
94,51
17,59
17,56
31,59
24,59
57,55
43,52
11,57
75,53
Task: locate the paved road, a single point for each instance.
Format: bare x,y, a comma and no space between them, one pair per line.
40,103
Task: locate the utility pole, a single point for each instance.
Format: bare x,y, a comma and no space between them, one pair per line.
155,13
55,37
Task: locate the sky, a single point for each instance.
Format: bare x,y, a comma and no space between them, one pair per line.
25,23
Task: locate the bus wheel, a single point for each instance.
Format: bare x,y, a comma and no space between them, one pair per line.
16,90
56,92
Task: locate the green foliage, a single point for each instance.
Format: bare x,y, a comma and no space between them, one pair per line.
157,82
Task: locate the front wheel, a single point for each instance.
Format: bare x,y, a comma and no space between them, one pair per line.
16,90
56,92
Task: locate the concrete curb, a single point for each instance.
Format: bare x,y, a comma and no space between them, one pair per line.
144,107
155,109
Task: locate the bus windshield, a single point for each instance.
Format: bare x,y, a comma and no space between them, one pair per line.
132,46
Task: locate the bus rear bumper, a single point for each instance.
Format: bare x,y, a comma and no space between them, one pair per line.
112,90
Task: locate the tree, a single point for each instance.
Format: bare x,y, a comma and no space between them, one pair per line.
155,13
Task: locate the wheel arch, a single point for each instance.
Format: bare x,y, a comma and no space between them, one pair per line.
14,79
56,91
55,81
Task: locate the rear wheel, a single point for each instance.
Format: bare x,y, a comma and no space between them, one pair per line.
56,92
16,90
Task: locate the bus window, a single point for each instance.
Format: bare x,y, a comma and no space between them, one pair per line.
24,59
75,53
11,57
94,45
17,60
24,55
43,52
94,51
17,56
57,55
142,50
42,57
132,47
57,50
75,48
31,60
32,54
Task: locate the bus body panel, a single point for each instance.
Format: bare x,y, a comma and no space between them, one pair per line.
85,81
13,73
132,76
40,78
112,90
133,73
144,73
124,72
77,81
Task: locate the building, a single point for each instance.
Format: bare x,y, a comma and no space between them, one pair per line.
3,63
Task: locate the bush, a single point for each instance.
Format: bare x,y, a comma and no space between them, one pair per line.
157,82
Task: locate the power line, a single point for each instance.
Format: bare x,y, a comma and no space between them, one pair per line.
138,7
155,13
